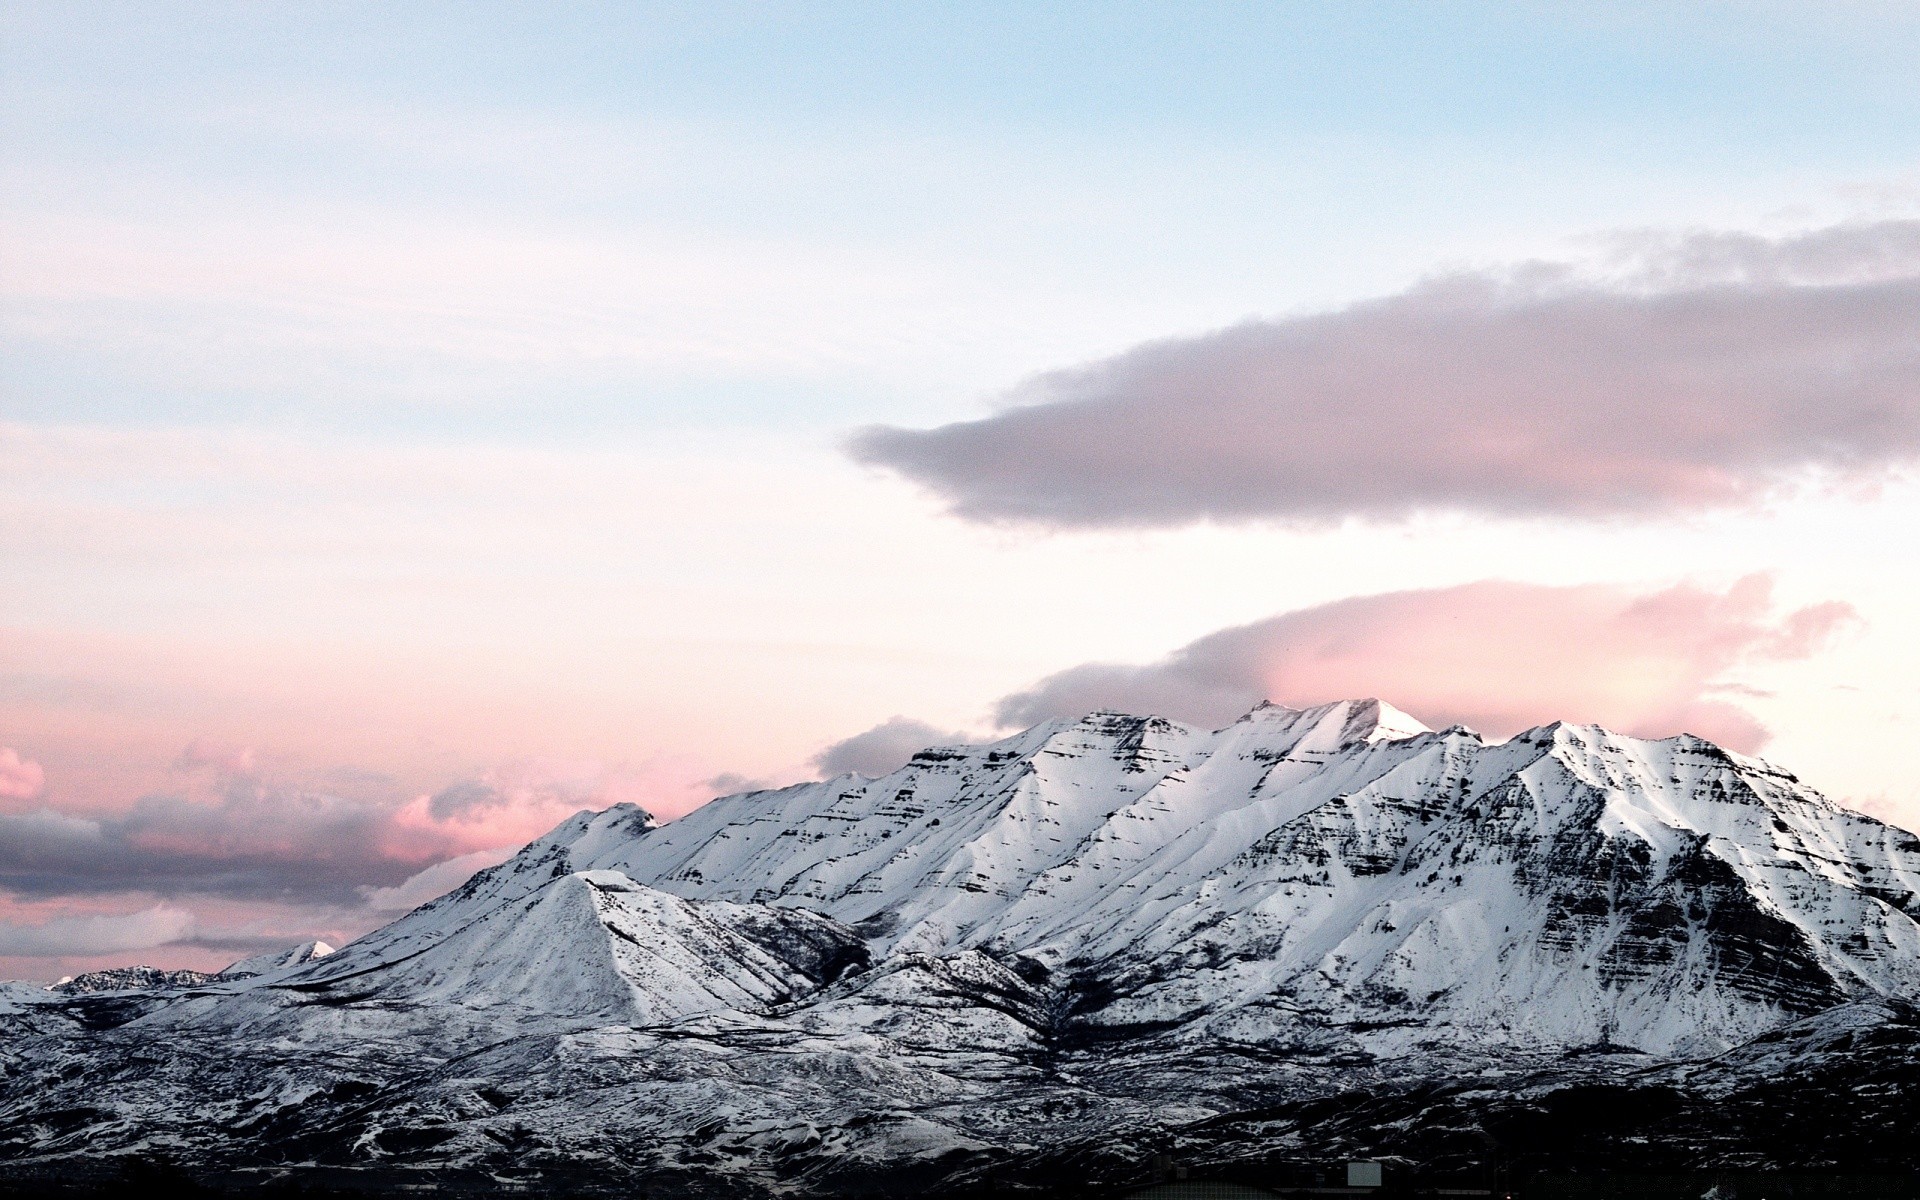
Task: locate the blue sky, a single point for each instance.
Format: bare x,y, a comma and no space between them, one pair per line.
920,190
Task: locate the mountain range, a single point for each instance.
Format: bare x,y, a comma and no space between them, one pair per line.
1058,959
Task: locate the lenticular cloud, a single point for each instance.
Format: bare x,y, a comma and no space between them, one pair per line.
1496,656
1710,372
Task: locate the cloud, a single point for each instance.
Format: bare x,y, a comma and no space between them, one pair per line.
272,863
20,778
523,798
1497,656
249,841
732,783
160,925
204,753
228,830
884,748
464,798
436,880
1683,373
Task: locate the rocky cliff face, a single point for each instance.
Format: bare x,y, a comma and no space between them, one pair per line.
1051,954
120,979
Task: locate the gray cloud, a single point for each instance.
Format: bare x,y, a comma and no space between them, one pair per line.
732,783
230,846
1497,656
251,842
97,934
884,748
464,797
229,831
1687,372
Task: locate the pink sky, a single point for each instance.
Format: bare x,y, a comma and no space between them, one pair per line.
198,854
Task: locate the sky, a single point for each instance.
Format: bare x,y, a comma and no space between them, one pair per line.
418,423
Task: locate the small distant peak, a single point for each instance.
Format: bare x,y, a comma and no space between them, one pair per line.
1106,732
568,829
1585,736
276,960
1022,744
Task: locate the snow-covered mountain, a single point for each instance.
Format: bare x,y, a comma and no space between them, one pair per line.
277,960
1566,887
121,979
1102,933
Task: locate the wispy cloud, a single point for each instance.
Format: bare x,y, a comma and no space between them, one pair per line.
1497,656
1682,373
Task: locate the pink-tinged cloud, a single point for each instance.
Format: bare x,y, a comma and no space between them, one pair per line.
519,800
884,748
230,831
1496,656
207,754
20,778
263,860
1720,369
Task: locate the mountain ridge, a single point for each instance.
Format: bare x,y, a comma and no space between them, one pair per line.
970,870
1104,934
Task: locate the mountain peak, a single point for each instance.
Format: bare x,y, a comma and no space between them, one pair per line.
1365,719
1382,721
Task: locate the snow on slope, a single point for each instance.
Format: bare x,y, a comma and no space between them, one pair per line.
570,846
1340,864
1339,868
597,944
589,947
276,960
934,856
